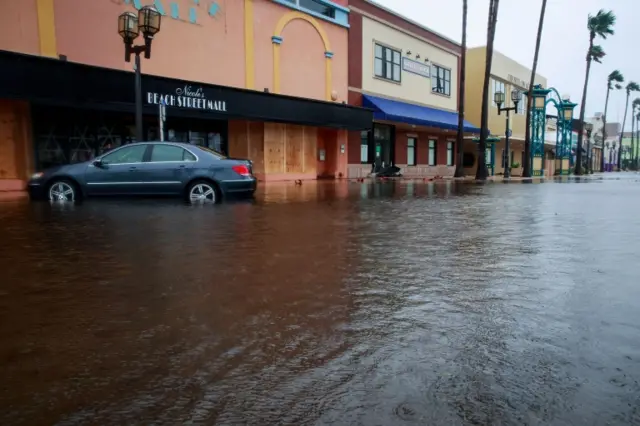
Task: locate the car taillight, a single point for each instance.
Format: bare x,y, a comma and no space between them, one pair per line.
242,170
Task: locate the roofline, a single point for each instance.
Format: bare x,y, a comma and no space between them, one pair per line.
506,56
411,21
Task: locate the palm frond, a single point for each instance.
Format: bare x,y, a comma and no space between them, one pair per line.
618,86
632,86
597,53
602,23
616,75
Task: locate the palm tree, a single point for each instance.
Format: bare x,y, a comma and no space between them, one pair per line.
600,25
481,171
613,82
463,60
637,140
635,106
631,87
526,171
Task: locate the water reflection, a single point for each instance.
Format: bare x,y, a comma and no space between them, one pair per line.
350,303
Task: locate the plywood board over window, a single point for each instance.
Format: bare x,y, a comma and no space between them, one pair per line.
310,149
274,147
294,144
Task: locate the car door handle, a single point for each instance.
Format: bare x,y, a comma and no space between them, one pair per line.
132,169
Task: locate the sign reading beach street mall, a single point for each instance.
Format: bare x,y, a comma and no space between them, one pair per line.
416,67
187,97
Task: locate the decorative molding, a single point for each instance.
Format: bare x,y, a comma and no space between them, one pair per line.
276,40
328,54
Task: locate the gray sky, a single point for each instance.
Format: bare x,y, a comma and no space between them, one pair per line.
564,40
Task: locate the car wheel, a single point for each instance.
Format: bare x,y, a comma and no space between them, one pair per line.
61,191
202,192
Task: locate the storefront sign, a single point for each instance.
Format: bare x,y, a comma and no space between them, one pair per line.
178,10
416,67
518,82
187,97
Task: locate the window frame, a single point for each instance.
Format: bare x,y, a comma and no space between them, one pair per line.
435,152
385,62
145,154
297,4
414,148
451,149
435,71
364,141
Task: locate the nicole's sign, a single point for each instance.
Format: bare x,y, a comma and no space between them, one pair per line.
416,67
187,97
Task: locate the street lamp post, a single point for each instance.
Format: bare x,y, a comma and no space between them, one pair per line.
498,98
566,108
613,148
588,127
129,27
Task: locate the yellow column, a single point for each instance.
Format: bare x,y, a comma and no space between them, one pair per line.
276,40
47,28
249,63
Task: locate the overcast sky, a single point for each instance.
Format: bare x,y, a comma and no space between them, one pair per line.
564,40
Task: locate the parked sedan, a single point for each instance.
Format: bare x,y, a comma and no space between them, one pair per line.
148,168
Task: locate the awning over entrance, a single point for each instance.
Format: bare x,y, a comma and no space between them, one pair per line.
386,109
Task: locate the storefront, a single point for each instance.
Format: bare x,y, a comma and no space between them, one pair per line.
57,112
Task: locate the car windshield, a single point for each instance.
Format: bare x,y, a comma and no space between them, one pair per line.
213,152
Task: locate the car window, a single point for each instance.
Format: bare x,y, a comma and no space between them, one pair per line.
163,153
211,151
188,156
128,154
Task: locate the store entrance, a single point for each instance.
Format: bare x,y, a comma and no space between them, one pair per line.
70,135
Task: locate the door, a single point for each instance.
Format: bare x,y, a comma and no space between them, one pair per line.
118,172
169,168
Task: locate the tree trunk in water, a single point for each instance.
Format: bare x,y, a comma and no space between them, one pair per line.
624,122
481,171
526,171
463,60
583,104
604,127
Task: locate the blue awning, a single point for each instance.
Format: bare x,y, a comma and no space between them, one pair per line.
386,109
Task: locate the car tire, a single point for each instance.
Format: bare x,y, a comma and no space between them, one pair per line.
63,190
202,192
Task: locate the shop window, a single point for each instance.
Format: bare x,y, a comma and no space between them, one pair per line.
487,156
496,86
364,147
432,152
522,104
318,7
449,153
441,80
513,157
503,158
522,158
126,155
411,151
387,63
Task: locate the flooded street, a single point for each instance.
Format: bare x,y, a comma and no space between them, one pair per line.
322,304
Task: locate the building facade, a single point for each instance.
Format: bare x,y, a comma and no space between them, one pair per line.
506,75
261,79
408,75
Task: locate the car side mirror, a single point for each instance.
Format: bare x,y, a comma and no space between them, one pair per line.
98,162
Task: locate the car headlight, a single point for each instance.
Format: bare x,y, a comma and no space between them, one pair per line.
36,176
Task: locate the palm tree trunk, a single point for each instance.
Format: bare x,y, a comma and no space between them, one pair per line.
624,122
526,172
463,60
481,171
604,127
582,107
637,144
632,163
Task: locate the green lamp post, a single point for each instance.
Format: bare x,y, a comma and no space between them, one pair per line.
538,125
563,151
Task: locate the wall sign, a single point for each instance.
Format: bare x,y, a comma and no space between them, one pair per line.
518,82
416,67
187,97
173,8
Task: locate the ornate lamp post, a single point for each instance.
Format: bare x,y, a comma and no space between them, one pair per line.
129,27
588,127
565,109
499,100
538,123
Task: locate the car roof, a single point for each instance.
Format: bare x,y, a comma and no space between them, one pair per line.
182,144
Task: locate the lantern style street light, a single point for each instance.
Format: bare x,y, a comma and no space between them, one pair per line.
588,127
498,98
130,26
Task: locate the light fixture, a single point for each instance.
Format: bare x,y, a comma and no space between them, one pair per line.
498,98
408,53
515,96
417,56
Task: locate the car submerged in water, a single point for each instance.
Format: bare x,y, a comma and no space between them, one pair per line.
198,174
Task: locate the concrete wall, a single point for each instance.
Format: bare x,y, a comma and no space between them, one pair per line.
413,87
232,47
506,70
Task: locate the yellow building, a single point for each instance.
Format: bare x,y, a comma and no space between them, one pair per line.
506,75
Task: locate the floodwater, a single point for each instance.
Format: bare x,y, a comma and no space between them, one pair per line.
327,304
